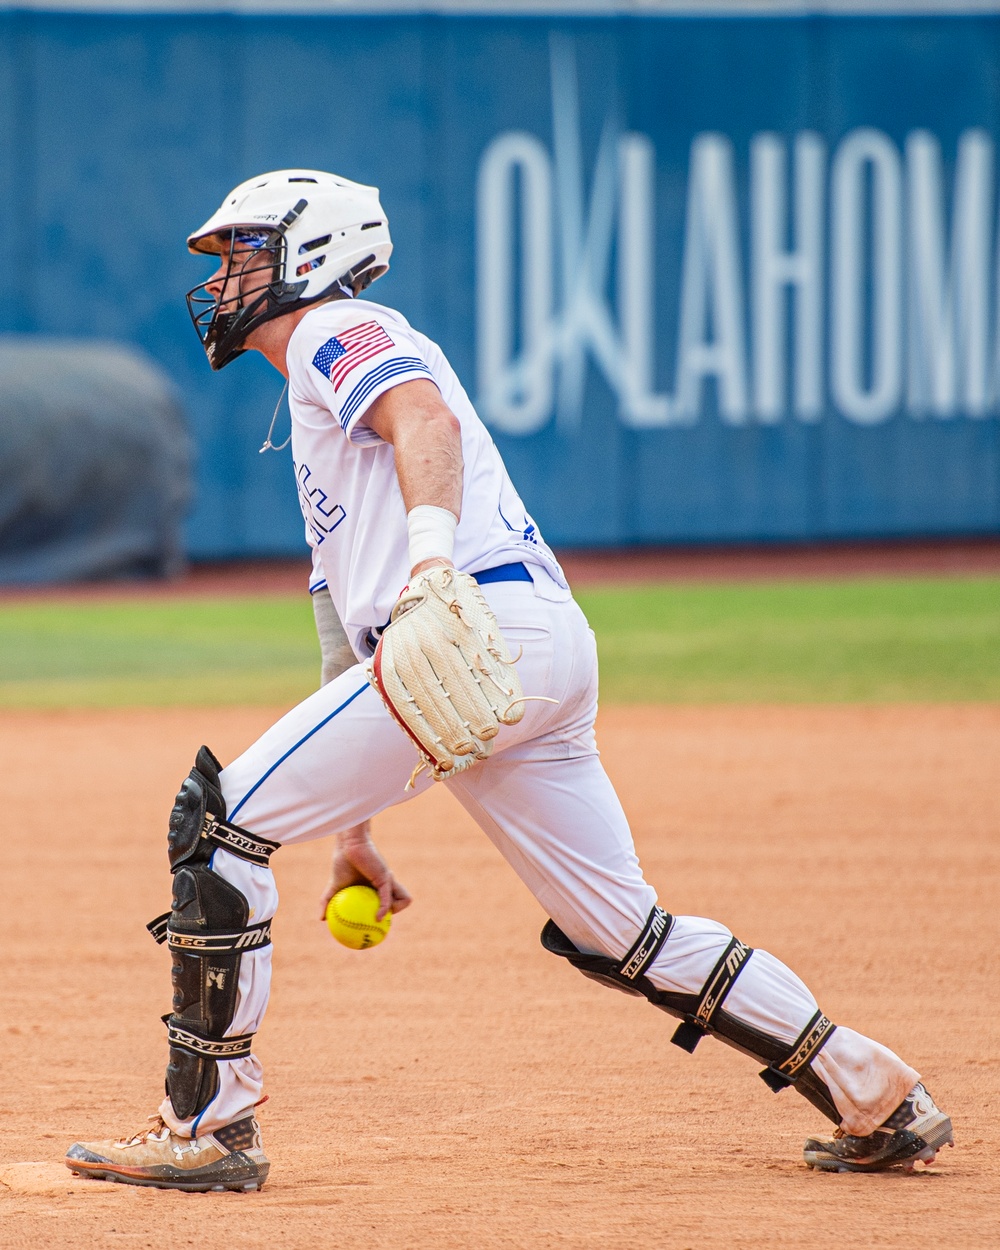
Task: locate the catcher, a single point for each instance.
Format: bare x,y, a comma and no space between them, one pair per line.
453,652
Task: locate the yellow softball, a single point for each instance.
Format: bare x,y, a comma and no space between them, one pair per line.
350,915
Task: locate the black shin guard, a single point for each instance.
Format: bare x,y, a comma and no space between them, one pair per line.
703,1014
207,932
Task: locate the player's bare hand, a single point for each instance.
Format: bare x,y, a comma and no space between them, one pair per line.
358,861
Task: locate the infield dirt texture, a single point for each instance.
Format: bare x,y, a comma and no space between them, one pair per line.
456,1087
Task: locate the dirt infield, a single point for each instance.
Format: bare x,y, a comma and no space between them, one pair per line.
457,1087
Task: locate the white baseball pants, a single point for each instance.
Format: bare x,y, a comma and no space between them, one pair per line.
546,803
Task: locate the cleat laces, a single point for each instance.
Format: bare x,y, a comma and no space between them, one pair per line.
157,1130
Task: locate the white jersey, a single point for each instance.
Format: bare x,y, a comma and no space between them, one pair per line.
341,357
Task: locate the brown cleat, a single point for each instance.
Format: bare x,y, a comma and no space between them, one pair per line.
230,1158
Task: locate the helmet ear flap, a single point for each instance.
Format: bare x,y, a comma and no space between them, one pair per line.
364,280
357,279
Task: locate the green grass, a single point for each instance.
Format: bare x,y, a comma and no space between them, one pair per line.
158,653
861,641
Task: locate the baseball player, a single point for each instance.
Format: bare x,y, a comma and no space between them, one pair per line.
453,651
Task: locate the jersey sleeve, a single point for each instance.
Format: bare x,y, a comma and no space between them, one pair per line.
353,367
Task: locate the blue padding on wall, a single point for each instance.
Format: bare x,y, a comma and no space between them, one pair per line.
770,246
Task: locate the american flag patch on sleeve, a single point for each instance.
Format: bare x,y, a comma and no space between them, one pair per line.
339,355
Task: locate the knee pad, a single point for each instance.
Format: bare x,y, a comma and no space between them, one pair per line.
703,1014
198,821
207,932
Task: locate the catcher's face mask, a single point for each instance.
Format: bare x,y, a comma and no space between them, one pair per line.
242,294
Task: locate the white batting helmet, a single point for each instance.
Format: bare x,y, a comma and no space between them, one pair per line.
295,237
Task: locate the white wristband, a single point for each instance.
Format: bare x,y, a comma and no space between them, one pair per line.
432,533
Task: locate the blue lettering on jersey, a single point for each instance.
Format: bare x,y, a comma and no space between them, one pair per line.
320,516
529,534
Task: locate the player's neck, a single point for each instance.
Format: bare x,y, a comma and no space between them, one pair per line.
272,338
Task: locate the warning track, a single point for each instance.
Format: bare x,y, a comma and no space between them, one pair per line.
946,557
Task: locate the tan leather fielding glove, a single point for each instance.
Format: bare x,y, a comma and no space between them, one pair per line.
444,672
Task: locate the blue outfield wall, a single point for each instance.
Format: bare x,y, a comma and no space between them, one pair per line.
709,280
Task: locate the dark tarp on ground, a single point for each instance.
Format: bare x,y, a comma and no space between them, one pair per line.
95,466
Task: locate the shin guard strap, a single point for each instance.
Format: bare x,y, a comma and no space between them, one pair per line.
647,945
627,974
713,995
252,938
241,842
805,1048
183,1036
